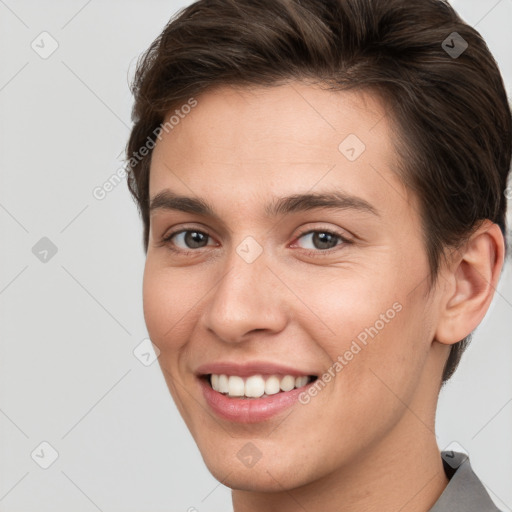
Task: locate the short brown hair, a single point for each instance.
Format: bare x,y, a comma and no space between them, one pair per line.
451,111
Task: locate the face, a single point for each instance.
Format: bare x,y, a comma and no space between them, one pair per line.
322,296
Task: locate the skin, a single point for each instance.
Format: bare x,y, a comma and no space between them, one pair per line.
366,442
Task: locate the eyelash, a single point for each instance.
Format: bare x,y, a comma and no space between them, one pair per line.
310,252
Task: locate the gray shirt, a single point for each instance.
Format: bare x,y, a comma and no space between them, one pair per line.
464,492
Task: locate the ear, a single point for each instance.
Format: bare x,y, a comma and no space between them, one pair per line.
471,281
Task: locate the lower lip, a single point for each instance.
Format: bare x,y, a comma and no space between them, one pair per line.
249,410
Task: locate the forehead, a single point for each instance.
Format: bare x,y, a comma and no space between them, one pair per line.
239,143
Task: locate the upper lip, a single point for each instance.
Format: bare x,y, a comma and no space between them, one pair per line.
249,368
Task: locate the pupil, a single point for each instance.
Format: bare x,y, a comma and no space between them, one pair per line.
322,239
191,238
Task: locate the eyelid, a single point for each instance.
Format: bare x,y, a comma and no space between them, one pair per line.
185,227
324,229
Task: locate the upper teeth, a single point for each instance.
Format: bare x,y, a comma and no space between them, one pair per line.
255,386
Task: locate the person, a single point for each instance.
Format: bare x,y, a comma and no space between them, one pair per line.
321,185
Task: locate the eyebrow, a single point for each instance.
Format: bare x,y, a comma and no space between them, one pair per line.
168,200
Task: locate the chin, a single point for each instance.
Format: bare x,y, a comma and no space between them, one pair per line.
274,475
254,479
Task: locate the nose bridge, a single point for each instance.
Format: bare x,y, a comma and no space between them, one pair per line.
246,297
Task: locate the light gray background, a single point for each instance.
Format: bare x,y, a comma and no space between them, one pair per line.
68,375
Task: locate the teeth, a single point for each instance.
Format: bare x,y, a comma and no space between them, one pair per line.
272,385
301,381
255,386
287,383
236,386
223,384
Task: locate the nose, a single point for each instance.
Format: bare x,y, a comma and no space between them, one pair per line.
247,299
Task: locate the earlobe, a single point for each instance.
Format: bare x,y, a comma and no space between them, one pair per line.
472,280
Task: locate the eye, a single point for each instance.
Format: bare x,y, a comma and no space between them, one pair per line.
321,240
186,239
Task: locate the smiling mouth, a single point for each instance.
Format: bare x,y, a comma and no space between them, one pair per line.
256,386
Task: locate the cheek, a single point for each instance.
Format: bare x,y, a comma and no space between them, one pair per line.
386,373
155,304
377,336
352,309
168,303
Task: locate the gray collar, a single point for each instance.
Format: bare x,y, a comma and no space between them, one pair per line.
464,492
